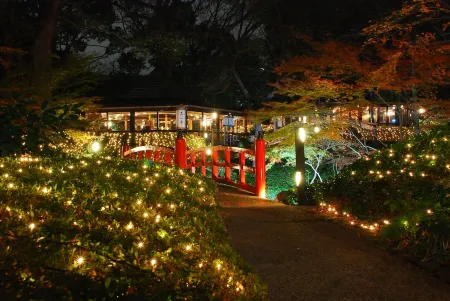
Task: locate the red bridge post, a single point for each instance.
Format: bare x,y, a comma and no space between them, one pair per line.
241,168
227,165
125,148
180,151
260,166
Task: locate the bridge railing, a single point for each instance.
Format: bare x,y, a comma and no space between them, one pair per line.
153,153
204,157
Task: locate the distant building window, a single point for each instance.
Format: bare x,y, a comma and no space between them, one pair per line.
145,121
118,121
167,120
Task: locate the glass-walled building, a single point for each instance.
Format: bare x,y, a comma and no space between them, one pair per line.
163,118
376,115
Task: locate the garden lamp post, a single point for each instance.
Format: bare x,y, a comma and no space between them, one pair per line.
300,179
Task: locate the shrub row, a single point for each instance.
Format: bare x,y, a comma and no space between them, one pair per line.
100,229
407,184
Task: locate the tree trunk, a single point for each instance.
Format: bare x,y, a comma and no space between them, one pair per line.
41,68
244,89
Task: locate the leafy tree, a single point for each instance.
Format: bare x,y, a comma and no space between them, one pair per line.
413,45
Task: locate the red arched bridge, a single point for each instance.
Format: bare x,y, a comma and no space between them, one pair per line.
200,158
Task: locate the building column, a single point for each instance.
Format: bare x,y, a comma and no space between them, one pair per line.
157,120
132,121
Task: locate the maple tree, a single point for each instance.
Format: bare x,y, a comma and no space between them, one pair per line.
406,53
413,46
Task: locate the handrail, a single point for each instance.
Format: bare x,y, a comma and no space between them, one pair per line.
221,148
146,148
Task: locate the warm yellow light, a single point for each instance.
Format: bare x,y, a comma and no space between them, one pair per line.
129,226
208,152
153,262
298,178
32,226
421,110
429,211
140,245
145,214
80,260
10,185
302,134
45,190
214,115
95,146
316,129
205,135
188,247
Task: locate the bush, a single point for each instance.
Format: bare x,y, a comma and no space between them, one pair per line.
407,184
112,142
99,229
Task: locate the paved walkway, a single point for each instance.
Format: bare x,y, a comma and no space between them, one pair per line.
302,256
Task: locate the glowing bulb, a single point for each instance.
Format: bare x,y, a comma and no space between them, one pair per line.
188,247
139,202
167,191
214,115
10,185
129,226
153,262
316,129
298,178
6,175
208,152
95,146
32,226
145,214
45,190
80,260
429,211
302,134
140,245
421,110
218,266
108,175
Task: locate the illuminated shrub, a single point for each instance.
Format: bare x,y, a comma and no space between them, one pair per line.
100,228
407,184
112,142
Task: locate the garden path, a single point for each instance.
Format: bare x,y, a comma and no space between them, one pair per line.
303,256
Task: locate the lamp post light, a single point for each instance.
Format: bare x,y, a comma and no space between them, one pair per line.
300,172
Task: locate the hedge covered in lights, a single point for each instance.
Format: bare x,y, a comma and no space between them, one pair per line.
101,228
112,141
404,190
